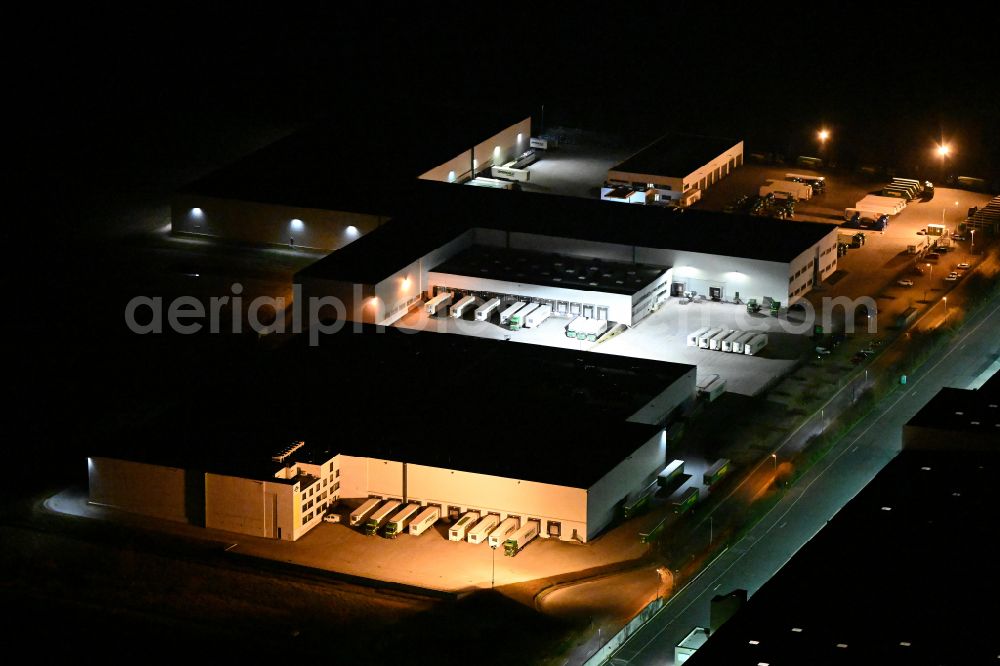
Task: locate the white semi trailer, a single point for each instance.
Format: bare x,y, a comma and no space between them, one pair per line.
483,311
727,342
481,531
456,310
590,329
741,341
694,337
398,522
509,311
705,340
519,539
756,343
571,327
439,302
424,520
538,316
458,531
715,342
504,530
358,515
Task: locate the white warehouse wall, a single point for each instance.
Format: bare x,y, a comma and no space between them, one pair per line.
505,496
753,278
461,164
632,474
150,490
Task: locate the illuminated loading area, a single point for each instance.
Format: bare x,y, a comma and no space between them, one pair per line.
560,285
454,424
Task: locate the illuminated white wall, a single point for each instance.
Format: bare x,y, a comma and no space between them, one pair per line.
632,474
268,224
703,177
151,490
656,411
483,153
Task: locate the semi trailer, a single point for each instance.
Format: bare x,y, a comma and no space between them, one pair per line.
358,515
715,473
509,311
705,340
538,316
739,343
727,342
483,311
458,531
482,529
670,474
439,302
424,520
755,344
686,501
715,342
517,319
694,337
458,309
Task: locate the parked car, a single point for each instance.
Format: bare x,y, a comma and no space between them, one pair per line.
332,517
951,277
904,283
932,256
922,232
963,265
918,270
958,237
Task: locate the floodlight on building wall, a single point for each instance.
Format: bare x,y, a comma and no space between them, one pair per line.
496,153
451,177
297,224
197,213
520,137
351,230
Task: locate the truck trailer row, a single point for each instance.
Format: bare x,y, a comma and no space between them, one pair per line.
728,340
475,527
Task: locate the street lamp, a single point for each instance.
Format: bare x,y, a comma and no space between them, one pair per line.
945,306
823,135
972,247
493,575
943,150
774,457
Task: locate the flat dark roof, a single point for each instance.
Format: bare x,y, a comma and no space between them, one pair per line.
974,414
457,209
551,270
503,408
676,155
363,158
904,573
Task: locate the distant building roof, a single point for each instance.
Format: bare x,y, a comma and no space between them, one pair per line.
676,155
442,400
957,419
551,270
886,580
457,209
364,159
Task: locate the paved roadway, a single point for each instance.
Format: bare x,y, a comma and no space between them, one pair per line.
830,484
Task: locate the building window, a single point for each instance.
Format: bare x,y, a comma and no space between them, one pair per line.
324,483
338,473
335,487
305,519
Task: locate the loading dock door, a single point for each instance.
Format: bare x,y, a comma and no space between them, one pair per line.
677,288
588,311
602,312
715,293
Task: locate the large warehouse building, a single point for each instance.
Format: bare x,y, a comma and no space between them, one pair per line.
679,167
325,186
615,261
439,420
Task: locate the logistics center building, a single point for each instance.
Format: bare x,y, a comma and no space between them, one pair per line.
558,436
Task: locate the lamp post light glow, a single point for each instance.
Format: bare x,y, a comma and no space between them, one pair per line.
774,457
943,150
823,135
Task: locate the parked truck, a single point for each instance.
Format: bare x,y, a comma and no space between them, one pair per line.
787,189
519,539
483,311
439,302
715,342
503,530
379,516
359,514
706,338
572,326
739,343
694,337
509,311
517,319
424,520
458,531
687,500
715,473
755,344
398,522
458,309
482,529
537,316
818,183
713,388
591,329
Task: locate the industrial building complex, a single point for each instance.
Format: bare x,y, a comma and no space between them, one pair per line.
469,431
556,440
